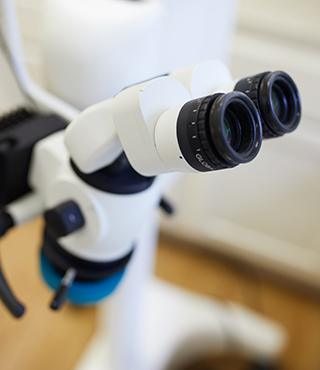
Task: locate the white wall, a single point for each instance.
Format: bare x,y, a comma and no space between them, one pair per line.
29,13
296,21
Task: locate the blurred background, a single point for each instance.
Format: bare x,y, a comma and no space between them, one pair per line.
250,235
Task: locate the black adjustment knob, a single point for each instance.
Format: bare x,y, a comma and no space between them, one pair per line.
166,206
64,219
61,294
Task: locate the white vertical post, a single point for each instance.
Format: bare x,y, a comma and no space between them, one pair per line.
127,306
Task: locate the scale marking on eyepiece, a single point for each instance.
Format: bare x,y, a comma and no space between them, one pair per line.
203,162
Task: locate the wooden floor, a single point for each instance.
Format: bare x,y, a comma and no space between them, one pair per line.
42,340
48,341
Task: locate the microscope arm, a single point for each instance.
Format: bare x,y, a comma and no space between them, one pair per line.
91,138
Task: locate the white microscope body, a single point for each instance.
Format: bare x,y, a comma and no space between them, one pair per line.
113,221
139,120
142,121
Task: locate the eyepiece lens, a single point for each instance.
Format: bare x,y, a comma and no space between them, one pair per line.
235,125
284,102
235,128
227,131
279,102
277,98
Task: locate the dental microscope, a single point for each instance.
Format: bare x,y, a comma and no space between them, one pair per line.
98,190
98,180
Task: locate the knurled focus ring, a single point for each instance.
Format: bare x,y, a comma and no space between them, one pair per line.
250,86
202,121
192,135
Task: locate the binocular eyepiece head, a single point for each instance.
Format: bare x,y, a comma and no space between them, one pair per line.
219,131
277,98
224,130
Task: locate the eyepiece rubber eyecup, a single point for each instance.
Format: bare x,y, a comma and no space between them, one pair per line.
245,120
277,98
202,136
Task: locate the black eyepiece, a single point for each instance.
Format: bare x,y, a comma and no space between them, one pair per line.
219,131
276,96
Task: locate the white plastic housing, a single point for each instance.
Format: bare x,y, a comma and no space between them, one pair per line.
136,112
91,138
112,222
167,142
95,48
128,122
205,78
142,121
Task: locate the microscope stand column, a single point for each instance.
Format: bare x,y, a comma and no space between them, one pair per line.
149,324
